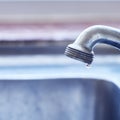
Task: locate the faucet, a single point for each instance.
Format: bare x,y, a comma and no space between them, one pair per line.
82,48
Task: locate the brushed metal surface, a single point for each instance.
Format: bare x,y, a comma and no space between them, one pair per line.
56,99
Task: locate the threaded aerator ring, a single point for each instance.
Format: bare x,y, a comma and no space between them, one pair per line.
79,55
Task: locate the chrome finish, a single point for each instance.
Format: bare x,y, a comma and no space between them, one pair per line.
87,40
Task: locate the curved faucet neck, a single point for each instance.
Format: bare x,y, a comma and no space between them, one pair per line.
98,34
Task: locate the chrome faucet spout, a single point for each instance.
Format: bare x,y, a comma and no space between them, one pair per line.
82,48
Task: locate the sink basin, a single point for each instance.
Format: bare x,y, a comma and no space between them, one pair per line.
59,88
59,99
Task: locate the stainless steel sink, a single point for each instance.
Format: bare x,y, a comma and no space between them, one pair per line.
58,88
59,99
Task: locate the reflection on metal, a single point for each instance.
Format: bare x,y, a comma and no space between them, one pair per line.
59,99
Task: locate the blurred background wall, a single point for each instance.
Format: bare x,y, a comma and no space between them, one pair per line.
29,26
37,11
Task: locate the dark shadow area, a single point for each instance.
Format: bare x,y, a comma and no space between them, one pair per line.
50,47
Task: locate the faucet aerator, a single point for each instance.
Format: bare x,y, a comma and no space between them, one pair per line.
79,55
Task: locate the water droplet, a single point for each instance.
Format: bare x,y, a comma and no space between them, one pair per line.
88,66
